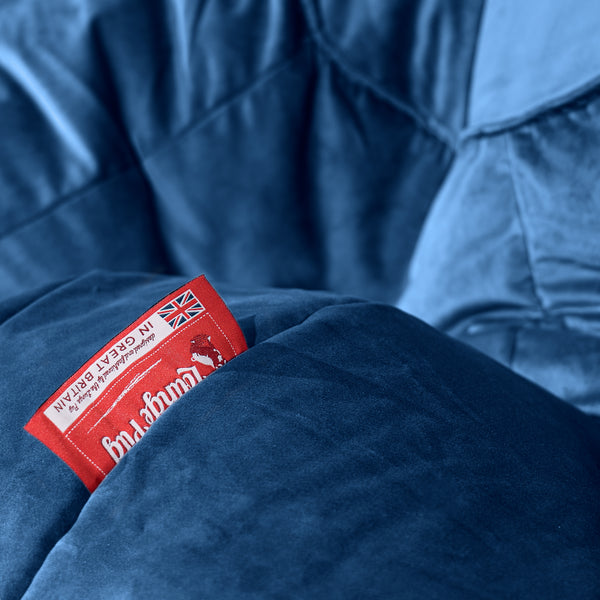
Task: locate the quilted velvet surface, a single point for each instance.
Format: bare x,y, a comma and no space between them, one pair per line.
384,193
229,128
508,260
352,451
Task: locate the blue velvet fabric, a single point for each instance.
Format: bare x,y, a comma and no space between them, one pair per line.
326,163
509,258
352,451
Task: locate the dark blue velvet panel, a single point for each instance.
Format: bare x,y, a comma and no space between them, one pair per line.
352,451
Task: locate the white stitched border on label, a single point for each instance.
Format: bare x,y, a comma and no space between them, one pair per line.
223,334
84,454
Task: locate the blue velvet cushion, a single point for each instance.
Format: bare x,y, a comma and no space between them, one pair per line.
352,452
509,258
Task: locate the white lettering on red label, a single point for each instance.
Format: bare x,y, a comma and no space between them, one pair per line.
106,407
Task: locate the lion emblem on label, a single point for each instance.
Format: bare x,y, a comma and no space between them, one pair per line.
204,352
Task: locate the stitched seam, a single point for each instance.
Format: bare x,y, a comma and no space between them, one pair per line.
576,100
334,55
524,234
223,334
87,188
265,76
86,456
139,159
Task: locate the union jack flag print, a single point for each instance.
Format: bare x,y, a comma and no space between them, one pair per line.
181,310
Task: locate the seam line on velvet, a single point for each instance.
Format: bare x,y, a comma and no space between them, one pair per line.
521,218
87,188
40,293
574,100
138,159
226,103
426,122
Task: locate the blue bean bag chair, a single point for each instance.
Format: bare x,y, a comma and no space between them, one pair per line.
398,202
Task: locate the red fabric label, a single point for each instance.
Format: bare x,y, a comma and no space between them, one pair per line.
105,408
